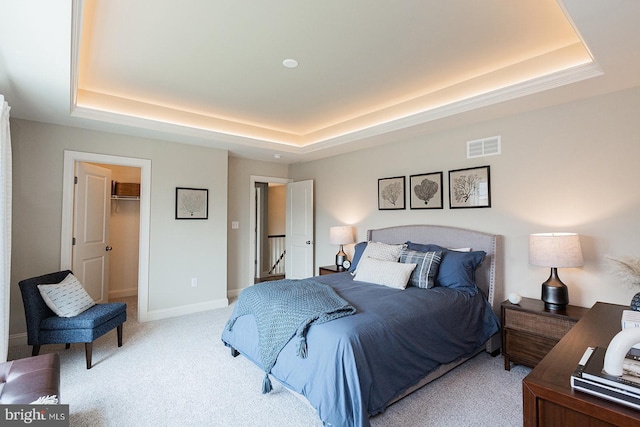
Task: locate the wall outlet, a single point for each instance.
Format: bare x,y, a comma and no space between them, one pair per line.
194,282
235,225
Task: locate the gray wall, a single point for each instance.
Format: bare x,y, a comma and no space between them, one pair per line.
573,167
179,250
240,192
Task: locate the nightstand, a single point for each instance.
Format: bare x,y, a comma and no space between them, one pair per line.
331,269
529,331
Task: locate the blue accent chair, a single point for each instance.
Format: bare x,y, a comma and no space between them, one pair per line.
45,327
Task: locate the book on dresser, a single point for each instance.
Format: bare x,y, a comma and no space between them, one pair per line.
589,377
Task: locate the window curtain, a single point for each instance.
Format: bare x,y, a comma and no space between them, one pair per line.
5,230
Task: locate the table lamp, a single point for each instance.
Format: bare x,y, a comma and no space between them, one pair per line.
555,250
341,235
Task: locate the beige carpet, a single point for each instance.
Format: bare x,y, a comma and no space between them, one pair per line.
177,372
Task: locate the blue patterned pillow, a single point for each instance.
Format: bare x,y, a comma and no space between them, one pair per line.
427,263
457,269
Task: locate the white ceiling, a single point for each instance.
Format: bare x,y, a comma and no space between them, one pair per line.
209,72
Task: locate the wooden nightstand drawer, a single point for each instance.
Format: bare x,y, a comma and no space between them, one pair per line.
529,331
527,348
551,327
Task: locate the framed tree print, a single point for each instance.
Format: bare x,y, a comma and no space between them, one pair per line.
470,188
391,193
425,191
192,203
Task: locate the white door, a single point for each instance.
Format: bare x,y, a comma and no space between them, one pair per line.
92,210
299,230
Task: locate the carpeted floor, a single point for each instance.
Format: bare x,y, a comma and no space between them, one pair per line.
177,372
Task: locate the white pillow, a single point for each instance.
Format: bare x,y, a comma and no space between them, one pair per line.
388,273
67,298
382,251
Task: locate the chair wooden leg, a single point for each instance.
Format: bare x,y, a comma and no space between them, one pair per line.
36,350
67,346
119,328
88,348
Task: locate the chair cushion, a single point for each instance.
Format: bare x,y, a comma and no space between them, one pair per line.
67,298
89,319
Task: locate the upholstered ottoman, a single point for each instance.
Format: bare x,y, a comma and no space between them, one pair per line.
24,381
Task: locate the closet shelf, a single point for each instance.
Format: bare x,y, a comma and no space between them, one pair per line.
114,197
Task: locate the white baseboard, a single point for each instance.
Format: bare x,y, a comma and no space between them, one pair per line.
18,339
185,309
21,338
121,293
234,293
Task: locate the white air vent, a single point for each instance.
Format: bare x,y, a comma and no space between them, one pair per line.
483,147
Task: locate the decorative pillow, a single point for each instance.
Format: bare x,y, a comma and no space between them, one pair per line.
383,251
427,263
457,269
388,273
67,298
358,249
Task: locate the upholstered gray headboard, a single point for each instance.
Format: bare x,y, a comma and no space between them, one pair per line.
490,274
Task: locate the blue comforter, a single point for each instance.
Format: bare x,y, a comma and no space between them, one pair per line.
357,364
285,308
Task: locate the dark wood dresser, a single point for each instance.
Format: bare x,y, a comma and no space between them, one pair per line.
548,399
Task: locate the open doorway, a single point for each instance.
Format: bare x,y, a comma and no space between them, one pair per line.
270,231
260,204
144,168
124,231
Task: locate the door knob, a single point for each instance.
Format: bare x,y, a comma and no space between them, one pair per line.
108,248
308,242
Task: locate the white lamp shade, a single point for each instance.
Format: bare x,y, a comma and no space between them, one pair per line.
341,235
555,250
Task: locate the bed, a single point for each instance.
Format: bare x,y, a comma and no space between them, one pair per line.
397,340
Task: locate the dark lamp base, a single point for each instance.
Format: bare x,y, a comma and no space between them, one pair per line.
555,294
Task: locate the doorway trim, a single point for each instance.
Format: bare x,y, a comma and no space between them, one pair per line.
252,217
70,158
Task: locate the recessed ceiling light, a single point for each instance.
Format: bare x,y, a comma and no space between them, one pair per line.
290,63
276,156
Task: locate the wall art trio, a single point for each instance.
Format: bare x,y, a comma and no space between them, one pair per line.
468,188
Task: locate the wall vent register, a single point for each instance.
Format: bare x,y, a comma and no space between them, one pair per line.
484,147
